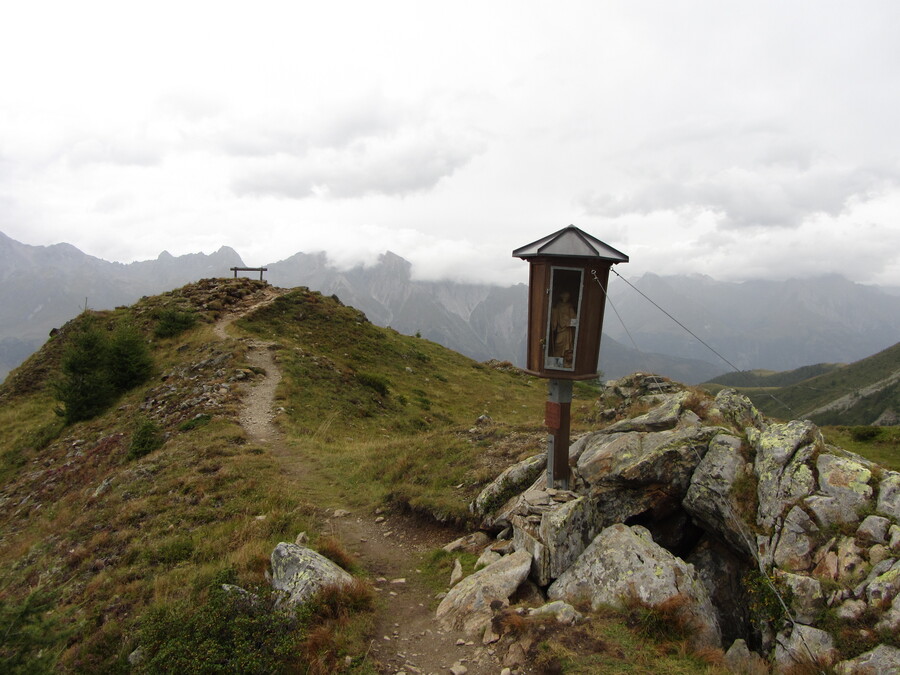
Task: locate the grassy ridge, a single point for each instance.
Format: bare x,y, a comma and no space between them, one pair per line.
801,398
91,542
772,378
387,416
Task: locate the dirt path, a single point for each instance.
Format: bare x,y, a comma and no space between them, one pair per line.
407,638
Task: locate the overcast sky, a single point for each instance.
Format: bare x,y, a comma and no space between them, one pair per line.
739,140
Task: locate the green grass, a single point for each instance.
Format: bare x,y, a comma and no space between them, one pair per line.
785,396
92,542
617,641
881,444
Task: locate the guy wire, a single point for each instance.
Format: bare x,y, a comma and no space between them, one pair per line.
687,330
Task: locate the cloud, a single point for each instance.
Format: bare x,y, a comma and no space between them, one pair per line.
121,151
777,195
406,163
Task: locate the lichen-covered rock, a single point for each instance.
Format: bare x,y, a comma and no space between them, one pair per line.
883,660
473,543
300,572
807,599
487,557
889,495
894,538
624,562
710,498
873,529
890,620
739,659
511,481
563,612
556,537
803,645
467,606
795,542
846,481
781,466
663,416
632,473
881,590
737,409
851,566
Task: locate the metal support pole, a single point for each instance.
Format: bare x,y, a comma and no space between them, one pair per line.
557,418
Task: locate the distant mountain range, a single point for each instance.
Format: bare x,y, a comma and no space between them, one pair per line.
755,324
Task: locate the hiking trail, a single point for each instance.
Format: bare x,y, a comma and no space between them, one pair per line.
407,638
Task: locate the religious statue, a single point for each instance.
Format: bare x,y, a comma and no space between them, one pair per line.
563,320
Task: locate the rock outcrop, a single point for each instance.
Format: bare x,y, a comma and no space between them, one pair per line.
624,564
687,502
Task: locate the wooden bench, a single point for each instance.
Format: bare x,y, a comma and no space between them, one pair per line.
250,269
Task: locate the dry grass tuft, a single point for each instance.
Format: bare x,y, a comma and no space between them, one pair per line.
334,550
665,622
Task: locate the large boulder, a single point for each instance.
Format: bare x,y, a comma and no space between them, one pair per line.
467,606
633,473
711,500
737,409
300,572
664,416
783,453
844,486
624,562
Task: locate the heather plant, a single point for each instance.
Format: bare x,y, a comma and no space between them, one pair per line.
146,439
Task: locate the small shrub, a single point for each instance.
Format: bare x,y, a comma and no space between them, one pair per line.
195,422
229,633
29,630
864,433
376,382
172,322
145,439
765,607
171,551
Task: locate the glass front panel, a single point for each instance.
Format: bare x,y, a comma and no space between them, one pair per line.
562,329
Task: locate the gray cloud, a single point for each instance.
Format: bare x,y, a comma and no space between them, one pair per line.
135,151
404,164
779,196
300,132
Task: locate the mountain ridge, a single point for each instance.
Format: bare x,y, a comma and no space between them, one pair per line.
756,324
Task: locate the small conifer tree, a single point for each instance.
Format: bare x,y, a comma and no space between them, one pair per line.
98,366
85,388
129,358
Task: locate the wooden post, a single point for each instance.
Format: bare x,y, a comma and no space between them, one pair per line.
557,418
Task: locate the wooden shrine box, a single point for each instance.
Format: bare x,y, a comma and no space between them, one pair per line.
569,270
